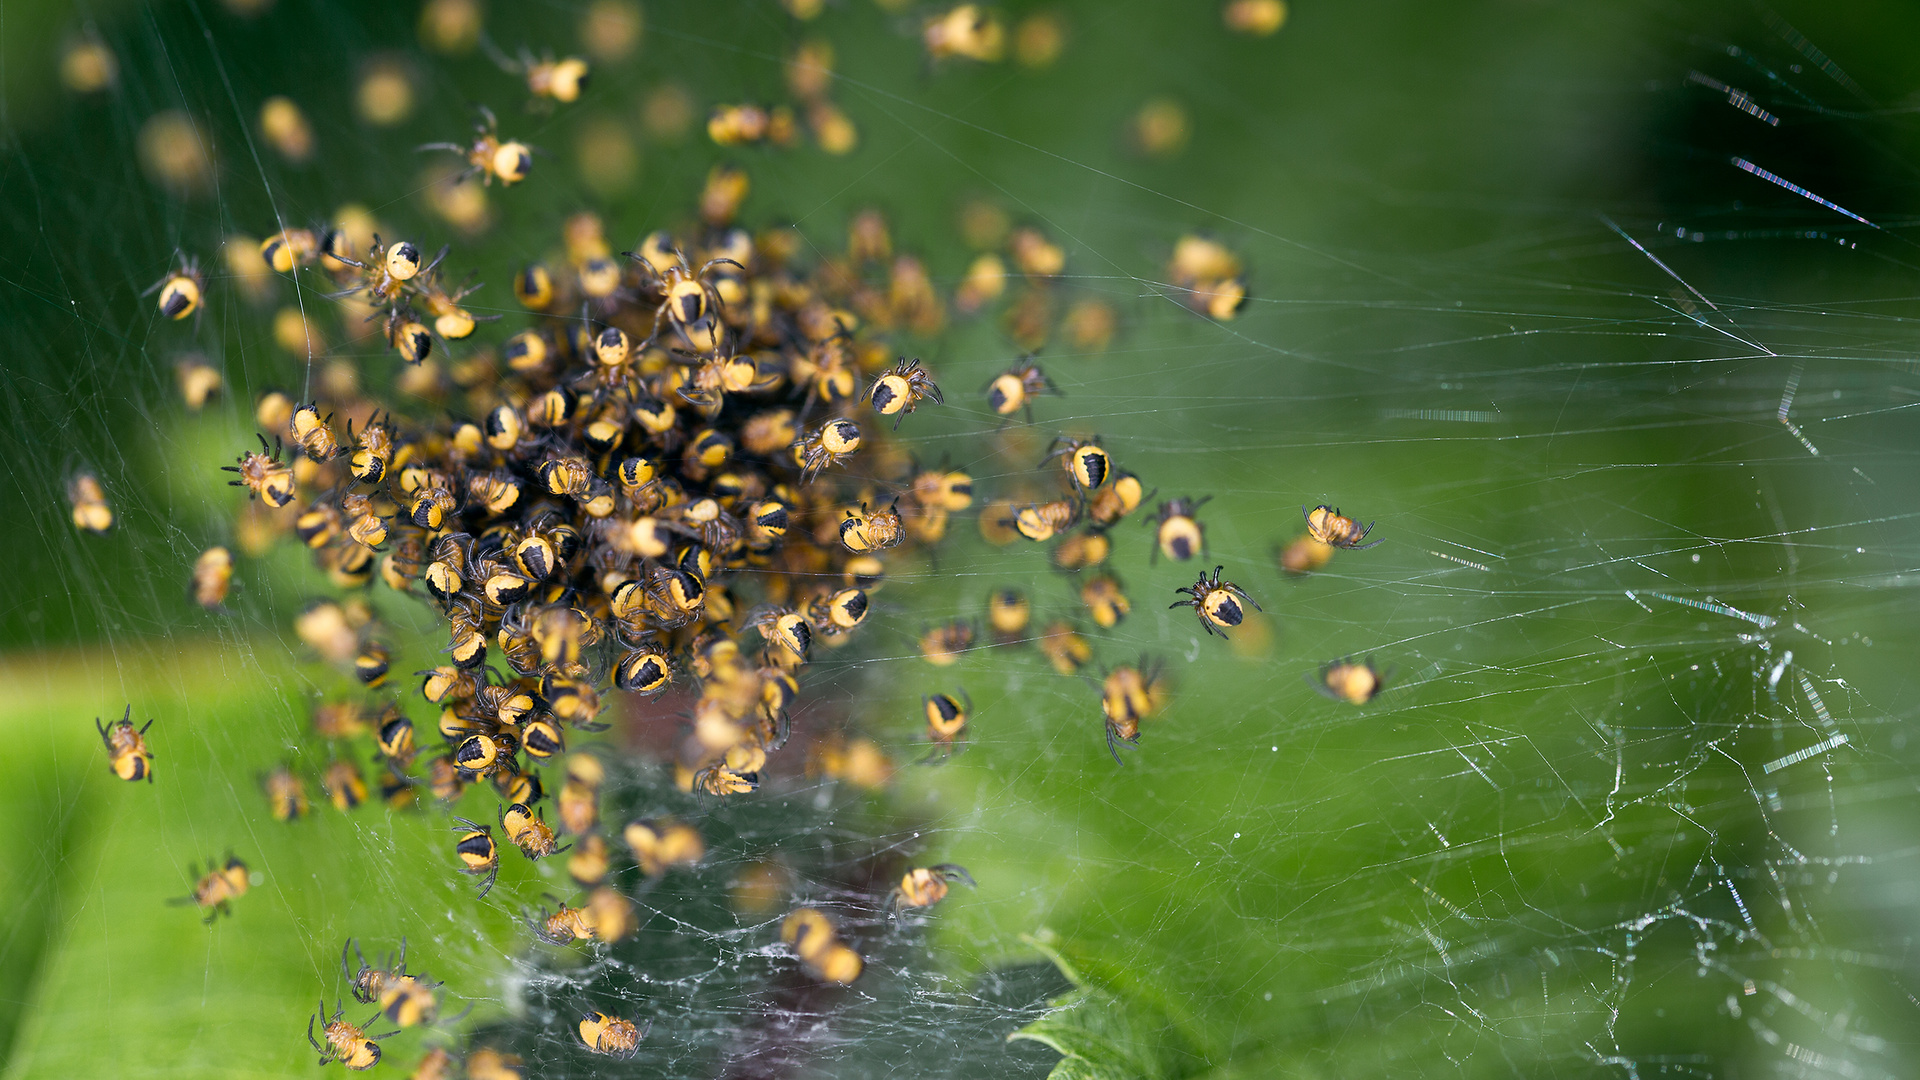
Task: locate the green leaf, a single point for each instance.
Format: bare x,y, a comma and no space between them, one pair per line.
1105,1035
1099,1037
1074,1068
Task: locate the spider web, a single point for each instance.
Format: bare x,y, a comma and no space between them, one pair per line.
1601,317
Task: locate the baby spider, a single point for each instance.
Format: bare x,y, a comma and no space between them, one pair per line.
289,249
643,671
1177,531
264,475
128,756
688,301
784,627
180,291
820,949
1329,527
486,1063
1128,695
1106,600
1040,521
530,833
212,577
825,446
1087,465
1304,555
1118,499
946,719
612,1036
1344,680
967,31
1016,388
488,157
839,612
900,389
864,532
214,891
714,379
347,1043
1217,603
945,644
562,927
660,844
91,511
478,853
828,370
548,80
390,277
450,320
925,886
736,773
313,433
1008,612
405,1000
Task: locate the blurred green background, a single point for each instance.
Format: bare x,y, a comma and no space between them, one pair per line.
1553,847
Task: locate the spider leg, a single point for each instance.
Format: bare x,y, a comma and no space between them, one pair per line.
1320,684
658,314
1357,546
642,260
953,872
1113,747
326,250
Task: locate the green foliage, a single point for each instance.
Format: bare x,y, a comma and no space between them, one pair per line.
1102,1034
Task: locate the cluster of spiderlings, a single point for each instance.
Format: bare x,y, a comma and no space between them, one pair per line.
391,279
1090,497
647,488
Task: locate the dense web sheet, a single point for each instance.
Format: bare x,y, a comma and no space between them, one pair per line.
1619,372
